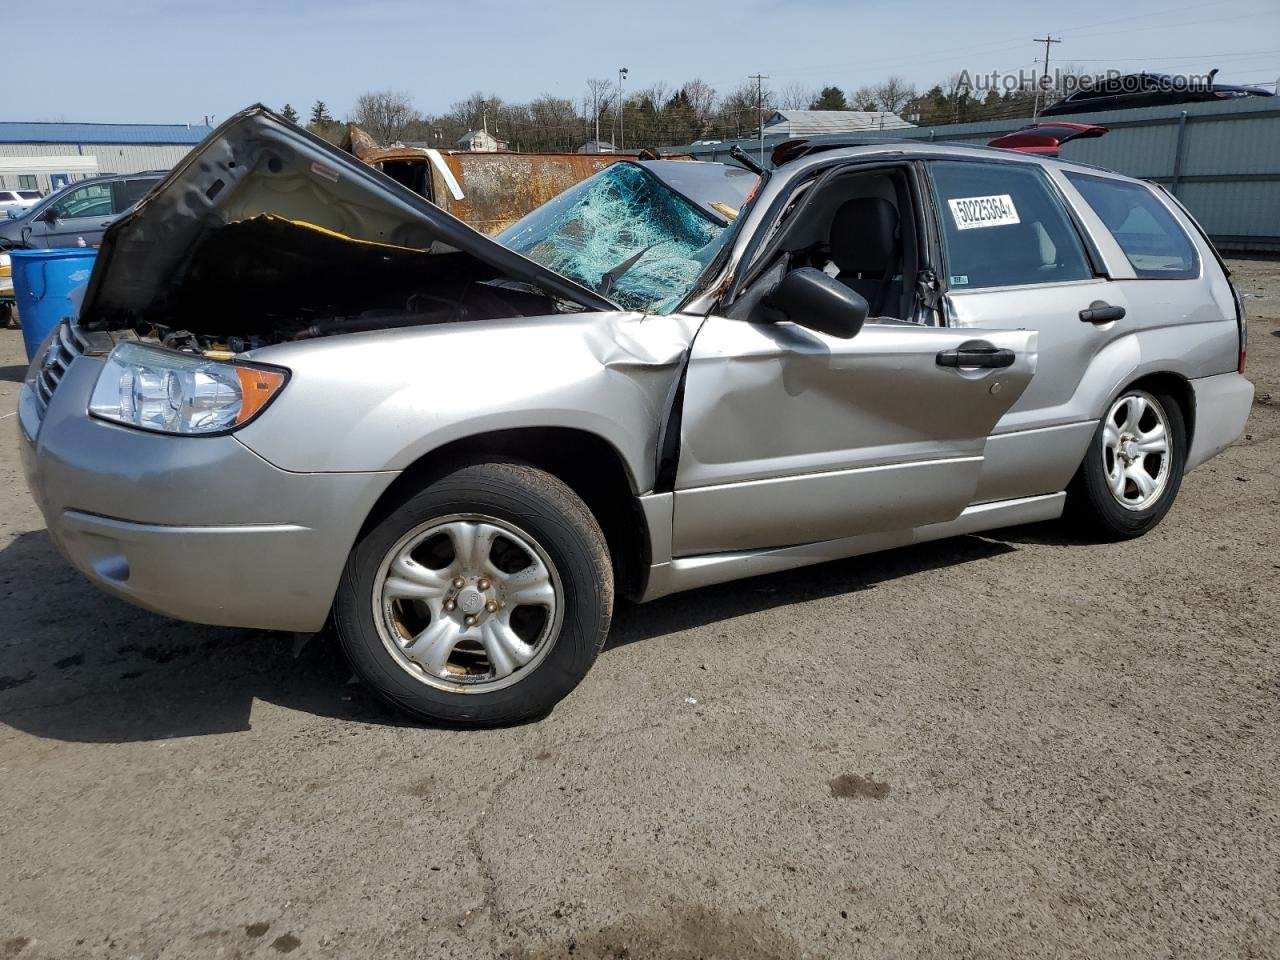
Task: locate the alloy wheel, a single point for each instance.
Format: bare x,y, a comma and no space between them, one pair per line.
468,603
1135,450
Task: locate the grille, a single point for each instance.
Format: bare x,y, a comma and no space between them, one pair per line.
66,345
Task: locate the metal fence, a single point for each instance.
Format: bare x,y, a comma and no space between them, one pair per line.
1221,159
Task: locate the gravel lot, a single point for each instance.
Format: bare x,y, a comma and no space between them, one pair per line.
1011,745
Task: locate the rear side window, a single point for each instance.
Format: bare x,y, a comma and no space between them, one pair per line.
129,192
1003,224
1152,239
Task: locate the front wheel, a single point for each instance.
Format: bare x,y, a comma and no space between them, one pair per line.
482,600
1133,469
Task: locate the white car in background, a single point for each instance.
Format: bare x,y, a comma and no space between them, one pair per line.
18,199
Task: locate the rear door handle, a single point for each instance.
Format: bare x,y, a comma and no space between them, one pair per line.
1101,312
976,353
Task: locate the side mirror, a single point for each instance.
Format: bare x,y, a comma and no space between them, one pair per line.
811,299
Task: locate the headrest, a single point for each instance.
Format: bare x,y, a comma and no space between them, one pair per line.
864,235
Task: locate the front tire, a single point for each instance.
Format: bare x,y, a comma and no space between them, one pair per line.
1133,469
482,600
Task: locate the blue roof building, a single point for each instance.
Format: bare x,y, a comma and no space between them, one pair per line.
12,132
46,156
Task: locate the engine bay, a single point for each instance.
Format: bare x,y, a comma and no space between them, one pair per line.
270,280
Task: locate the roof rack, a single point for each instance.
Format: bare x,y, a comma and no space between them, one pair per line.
790,150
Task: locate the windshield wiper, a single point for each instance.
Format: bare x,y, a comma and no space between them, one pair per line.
613,276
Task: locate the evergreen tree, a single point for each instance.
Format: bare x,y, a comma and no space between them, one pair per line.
831,98
320,113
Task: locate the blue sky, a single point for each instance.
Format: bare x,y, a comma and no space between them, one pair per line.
159,61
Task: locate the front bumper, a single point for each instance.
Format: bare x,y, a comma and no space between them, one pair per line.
196,528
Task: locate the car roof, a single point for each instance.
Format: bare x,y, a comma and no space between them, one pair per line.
868,149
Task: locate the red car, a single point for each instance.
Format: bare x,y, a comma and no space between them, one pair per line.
1046,139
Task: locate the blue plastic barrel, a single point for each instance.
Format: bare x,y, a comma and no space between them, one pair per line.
42,284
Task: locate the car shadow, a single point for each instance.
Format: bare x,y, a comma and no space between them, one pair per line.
14,372
81,666
1051,533
636,622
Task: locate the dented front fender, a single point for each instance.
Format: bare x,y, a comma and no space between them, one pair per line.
382,400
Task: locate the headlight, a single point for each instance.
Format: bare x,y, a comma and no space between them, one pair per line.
157,389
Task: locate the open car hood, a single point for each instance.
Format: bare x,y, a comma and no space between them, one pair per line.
305,211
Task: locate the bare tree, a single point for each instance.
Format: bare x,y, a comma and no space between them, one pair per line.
471,112
554,124
893,94
740,113
385,114
658,94
864,98
702,98
599,92
796,96
958,92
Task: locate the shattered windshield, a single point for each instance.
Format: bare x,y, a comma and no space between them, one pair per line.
625,234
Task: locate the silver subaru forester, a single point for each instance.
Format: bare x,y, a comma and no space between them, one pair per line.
297,391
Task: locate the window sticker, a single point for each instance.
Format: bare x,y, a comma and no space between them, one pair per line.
960,280
971,213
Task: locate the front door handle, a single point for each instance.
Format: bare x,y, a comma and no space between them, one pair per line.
976,353
1101,312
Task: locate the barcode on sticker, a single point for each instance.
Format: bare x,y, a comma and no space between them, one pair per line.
971,213
320,170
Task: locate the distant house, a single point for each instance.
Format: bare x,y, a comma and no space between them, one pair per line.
809,123
597,146
482,141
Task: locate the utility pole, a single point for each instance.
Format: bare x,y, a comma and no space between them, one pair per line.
1046,40
622,134
760,78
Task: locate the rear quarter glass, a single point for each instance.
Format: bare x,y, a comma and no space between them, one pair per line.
1150,237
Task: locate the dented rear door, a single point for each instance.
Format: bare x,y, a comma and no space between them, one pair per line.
789,436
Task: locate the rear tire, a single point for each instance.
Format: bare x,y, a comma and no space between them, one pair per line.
482,600
1133,469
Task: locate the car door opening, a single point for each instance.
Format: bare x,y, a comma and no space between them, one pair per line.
859,227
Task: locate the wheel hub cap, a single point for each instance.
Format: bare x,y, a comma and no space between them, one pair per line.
471,601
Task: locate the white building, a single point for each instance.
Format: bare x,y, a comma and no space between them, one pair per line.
44,156
812,123
481,141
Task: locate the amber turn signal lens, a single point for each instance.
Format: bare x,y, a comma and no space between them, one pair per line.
257,387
